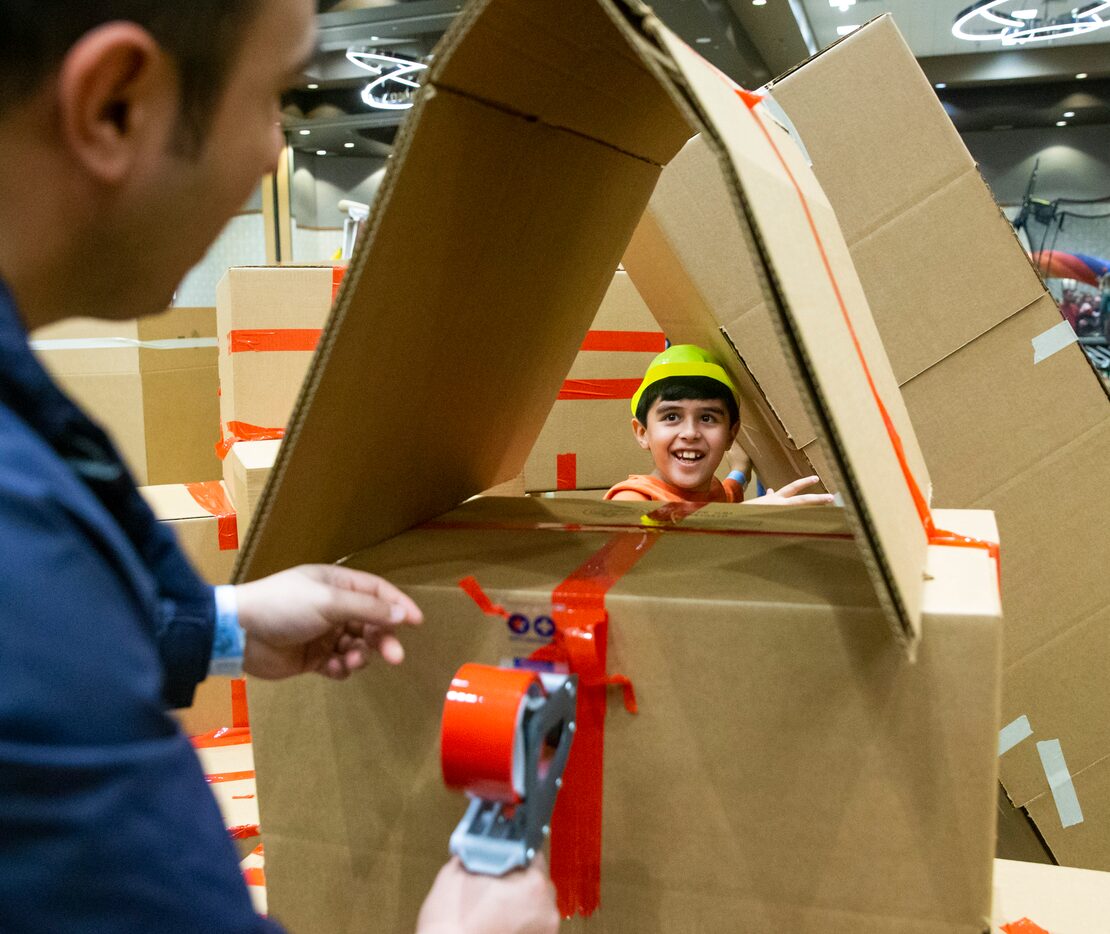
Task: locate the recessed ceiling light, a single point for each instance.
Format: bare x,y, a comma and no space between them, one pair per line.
702,40
348,145
844,30
312,87
1061,122
1024,14
304,132
842,5
321,152
1069,113
1081,76
940,85
759,2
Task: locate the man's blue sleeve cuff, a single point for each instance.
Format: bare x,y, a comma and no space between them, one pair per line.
229,640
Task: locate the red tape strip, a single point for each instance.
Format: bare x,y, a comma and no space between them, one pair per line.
935,536
473,589
255,875
566,471
244,831
240,713
585,389
217,777
625,341
244,431
212,498
269,340
1024,926
224,736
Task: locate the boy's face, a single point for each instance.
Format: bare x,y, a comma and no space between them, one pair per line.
687,439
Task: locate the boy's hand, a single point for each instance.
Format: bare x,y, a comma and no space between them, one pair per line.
789,495
738,459
323,618
523,902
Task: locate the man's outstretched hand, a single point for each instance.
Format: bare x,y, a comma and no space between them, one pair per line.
792,495
323,618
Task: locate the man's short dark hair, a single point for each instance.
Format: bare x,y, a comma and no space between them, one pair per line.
202,36
676,388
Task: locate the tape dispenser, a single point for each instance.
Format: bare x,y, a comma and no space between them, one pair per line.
505,740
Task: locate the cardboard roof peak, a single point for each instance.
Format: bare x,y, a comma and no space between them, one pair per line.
514,190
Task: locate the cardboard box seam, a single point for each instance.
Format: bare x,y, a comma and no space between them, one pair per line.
1058,637
982,502
972,340
533,118
1047,791
828,48
880,224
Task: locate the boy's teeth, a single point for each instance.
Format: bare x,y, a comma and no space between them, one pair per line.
687,455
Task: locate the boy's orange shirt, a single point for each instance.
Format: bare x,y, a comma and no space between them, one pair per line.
647,488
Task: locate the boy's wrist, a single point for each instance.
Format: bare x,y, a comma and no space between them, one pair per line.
739,476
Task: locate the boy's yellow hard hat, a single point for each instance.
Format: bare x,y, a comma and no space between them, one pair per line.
684,360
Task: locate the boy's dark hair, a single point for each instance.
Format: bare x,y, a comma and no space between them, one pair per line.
203,37
674,388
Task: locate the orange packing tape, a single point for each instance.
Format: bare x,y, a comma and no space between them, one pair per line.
566,471
479,753
217,777
223,736
1024,926
337,274
240,714
270,340
935,536
244,431
211,497
581,389
625,341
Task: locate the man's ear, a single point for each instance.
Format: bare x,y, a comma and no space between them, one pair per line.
640,431
116,91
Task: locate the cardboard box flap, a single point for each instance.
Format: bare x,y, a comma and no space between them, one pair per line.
811,289
508,53
492,241
478,277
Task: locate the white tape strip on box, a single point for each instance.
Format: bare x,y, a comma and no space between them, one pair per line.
1059,780
1052,341
115,343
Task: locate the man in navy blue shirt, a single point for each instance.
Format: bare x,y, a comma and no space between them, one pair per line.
130,131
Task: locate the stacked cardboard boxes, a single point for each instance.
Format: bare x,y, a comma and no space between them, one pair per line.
586,442
1003,399
151,383
789,766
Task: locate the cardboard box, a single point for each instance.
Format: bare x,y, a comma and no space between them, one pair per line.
1036,899
587,439
1004,402
151,383
824,782
246,469
787,764
268,322
204,521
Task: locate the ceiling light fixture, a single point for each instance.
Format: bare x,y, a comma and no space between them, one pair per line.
348,145
759,2
1081,76
987,20
940,85
312,87
842,5
393,87
1069,113
304,132
321,152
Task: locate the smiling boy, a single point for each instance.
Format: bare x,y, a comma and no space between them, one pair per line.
686,414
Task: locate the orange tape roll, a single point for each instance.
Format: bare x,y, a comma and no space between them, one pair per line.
479,749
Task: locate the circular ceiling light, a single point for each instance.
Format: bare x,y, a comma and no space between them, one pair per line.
1010,23
393,87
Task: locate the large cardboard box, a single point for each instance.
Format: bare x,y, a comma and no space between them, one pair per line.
587,439
246,469
784,704
787,767
268,322
1004,403
151,383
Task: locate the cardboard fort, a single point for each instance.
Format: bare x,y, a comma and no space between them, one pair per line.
790,766
1003,400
